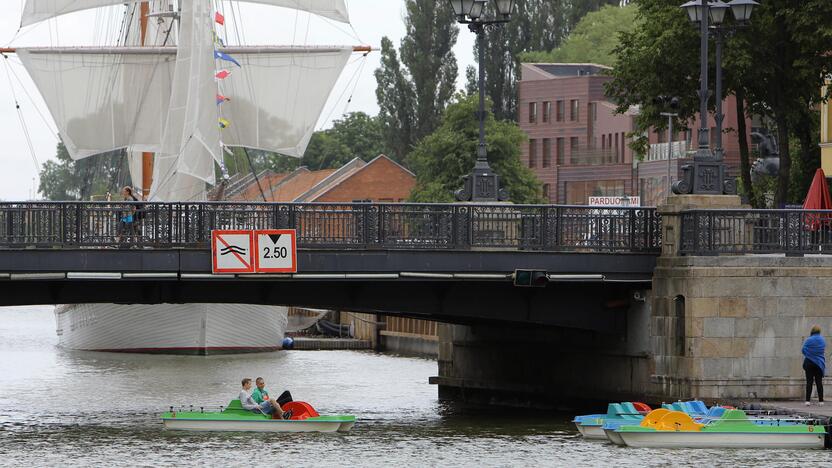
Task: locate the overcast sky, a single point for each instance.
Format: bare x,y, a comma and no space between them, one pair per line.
371,20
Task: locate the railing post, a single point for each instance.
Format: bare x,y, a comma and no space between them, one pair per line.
559,227
632,215
79,224
711,232
544,213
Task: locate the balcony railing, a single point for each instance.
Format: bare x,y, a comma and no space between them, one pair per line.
334,226
658,151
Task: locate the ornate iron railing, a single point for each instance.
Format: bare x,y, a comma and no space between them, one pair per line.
334,225
793,232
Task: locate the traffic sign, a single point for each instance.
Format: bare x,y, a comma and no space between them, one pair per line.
231,252
276,251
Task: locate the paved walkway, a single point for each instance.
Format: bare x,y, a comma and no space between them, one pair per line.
799,407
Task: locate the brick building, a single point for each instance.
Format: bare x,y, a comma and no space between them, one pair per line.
578,146
380,180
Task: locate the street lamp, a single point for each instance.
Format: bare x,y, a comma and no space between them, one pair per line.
482,184
707,174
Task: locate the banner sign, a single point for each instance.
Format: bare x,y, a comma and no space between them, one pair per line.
614,201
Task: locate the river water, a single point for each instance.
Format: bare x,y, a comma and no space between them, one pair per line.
68,408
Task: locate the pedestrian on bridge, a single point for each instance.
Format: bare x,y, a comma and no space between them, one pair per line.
127,227
814,363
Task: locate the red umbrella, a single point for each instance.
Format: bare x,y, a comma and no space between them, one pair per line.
817,199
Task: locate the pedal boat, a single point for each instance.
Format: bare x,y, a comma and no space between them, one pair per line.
236,419
662,428
591,426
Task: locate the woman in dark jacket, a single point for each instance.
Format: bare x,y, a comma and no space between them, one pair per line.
814,363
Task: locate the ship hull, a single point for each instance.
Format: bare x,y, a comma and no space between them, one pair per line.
190,329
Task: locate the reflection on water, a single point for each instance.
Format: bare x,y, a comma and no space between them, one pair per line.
66,408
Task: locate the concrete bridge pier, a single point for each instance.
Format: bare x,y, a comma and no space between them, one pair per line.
545,367
728,327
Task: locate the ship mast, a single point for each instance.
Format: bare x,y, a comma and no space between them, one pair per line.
147,157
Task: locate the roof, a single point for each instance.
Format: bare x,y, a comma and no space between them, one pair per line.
301,185
296,183
343,174
563,70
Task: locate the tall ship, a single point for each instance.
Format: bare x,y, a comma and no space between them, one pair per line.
177,96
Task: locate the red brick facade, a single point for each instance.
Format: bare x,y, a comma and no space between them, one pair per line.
578,146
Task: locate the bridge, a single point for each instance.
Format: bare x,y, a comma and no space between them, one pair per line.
698,298
451,262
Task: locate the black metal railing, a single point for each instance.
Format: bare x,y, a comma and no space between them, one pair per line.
793,232
334,225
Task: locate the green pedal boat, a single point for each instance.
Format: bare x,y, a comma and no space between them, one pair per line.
672,429
236,419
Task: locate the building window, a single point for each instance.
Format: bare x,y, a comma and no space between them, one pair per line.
561,150
593,111
547,152
623,146
578,192
573,150
547,111
574,110
546,192
532,112
532,153
559,111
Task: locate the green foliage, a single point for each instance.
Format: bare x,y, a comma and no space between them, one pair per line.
67,180
357,135
417,83
777,62
536,25
441,159
593,40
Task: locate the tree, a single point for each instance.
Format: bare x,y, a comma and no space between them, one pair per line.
66,179
357,135
777,63
593,40
535,25
417,83
442,158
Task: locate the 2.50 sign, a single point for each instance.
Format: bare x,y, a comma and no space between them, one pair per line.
276,251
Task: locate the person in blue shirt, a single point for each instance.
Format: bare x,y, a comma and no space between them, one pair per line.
814,363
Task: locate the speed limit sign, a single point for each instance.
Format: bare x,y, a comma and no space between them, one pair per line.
276,251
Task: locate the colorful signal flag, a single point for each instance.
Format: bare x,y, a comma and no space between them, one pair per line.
222,74
224,123
221,56
221,99
219,18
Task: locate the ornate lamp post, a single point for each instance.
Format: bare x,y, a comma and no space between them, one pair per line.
707,174
482,185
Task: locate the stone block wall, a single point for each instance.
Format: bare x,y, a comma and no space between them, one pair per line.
740,330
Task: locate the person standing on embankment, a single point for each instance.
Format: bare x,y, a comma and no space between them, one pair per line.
814,363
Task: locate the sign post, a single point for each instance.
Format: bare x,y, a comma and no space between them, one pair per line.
231,252
276,251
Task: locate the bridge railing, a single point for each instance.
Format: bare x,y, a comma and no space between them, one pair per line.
736,232
334,225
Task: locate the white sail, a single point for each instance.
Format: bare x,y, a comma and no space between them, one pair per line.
158,31
103,101
41,10
276,97
192,135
